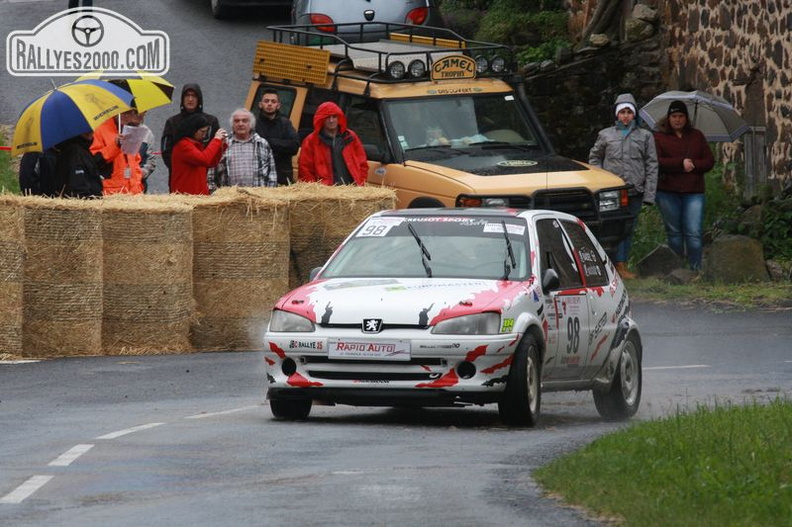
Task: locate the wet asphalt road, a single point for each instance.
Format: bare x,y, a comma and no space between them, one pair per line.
175,440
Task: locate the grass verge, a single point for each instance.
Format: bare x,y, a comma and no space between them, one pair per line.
766,295
727,465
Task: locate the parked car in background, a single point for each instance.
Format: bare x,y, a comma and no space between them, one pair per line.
222,8
341,18
455,307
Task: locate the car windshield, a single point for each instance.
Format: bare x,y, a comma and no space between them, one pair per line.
436,247
459,122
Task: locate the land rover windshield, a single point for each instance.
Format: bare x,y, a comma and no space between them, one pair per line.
425,127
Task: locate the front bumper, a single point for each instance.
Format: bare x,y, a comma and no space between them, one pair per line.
441,371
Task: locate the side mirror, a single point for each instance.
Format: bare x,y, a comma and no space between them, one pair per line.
550,280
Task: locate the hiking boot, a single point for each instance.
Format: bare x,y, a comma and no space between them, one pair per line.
621,268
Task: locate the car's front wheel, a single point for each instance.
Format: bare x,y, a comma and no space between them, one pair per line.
521,401
621,401
291,410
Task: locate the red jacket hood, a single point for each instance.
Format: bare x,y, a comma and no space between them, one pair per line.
325,110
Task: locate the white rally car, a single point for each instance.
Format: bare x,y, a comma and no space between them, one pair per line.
452,307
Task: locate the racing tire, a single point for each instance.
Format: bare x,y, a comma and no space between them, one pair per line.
621,400
291,410
521,401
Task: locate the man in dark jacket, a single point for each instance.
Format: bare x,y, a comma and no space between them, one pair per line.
191,102
77,168
279,133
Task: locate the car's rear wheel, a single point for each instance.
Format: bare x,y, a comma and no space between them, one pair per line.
291,410
521,401
621,401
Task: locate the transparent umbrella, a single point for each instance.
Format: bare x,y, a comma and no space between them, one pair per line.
712,115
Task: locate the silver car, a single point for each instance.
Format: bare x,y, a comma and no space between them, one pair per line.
333,16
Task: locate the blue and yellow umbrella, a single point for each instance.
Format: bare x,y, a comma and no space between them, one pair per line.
149,91
67,111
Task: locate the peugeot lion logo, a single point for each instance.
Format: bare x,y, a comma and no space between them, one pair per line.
87,31
372,325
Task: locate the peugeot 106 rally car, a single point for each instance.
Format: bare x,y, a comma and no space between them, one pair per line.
452,307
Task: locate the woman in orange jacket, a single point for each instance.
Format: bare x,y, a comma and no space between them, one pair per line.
190,159
121,171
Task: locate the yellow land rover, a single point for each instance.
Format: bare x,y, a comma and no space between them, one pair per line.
444,120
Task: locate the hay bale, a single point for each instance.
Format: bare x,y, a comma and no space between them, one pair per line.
321,217
62,284
12,251
147,293
241,246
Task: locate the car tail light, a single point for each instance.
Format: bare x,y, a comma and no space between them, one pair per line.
417,16
319,18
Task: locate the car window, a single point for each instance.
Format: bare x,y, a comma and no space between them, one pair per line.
363,118
592,265
286,97
314,98
457,247
556,253
459,121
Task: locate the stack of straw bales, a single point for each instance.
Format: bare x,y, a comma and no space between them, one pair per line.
241,246
147,259
62,288
152,274
12,250
321,217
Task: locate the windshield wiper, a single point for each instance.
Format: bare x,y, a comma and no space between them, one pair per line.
425,256
509,254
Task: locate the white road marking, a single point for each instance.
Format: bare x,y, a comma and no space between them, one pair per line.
68,457
26,489
688,367
224,412
20,361
120,433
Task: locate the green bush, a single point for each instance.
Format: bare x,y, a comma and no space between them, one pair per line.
9,180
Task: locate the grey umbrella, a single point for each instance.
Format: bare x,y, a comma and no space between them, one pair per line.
713,115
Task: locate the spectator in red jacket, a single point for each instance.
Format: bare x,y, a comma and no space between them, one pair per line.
684,156
332,154
191,158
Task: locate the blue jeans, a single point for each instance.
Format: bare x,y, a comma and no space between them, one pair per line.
683,216
623,250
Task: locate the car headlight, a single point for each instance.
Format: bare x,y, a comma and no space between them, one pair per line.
609,200
479,324
286,322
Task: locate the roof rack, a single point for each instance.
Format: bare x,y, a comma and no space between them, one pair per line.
388,52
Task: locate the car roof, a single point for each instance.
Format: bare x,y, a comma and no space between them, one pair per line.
474,213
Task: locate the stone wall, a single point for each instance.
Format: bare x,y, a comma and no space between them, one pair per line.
738,49
741,50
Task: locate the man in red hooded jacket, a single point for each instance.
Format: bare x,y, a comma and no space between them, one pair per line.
332,154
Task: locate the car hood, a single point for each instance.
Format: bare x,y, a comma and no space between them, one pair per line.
494,163
411,302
